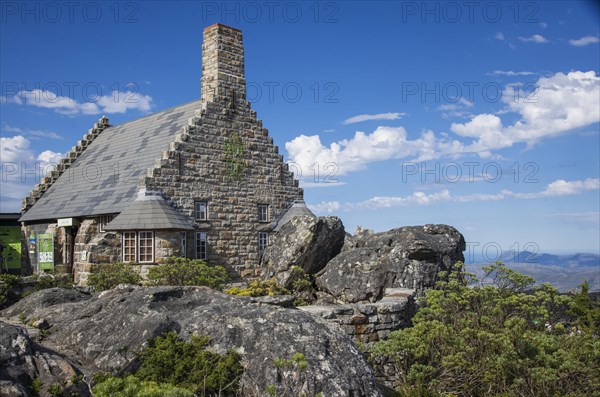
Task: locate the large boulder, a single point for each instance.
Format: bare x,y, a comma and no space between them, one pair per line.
105,332
306,242
407,257
23,364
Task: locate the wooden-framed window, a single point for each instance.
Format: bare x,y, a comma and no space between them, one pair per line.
129,246
263,213
201,210
103,220
202,245
183,244
146,246
263,241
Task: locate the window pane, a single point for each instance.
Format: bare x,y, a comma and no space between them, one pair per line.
263,241
146,246
263,213
183,245
201,211
201,245
129,247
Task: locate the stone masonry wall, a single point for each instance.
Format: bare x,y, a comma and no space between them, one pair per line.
370,322
226,158
367,323
95,247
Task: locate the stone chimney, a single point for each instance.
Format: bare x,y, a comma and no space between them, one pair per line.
223,64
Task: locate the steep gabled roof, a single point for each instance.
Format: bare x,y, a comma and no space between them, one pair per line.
297,209
149,212
104,177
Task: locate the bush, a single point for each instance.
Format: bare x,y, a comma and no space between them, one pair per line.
105,277
7,281
183,271
134,387
259,288
52,280
169,366
302,288
509,339
190,365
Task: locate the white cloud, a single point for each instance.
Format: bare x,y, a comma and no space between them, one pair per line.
369,117
579,217
511,73
350,155
49,157
116,102
21,169
15,149
543,25
561,103
322,183
33,134
567,188
325,207
536,38
458,109
555,189
417,198
499,36
586,40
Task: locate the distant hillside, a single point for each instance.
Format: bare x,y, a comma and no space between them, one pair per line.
566,272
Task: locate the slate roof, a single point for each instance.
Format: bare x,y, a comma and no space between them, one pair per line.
104,178
297,209
149,213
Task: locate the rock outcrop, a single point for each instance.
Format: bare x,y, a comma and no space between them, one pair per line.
305,242
103,332
407,257
26,369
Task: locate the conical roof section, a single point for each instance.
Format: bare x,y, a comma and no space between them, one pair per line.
149,211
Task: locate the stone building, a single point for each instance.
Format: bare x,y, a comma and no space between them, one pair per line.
202,180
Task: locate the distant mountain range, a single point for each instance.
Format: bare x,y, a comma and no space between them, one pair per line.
565,272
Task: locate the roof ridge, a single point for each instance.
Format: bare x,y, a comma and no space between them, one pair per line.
64,163
155,113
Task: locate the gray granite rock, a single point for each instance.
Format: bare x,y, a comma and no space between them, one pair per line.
305,242
104,332
407,257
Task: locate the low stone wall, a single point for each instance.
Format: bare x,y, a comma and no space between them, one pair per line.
370,322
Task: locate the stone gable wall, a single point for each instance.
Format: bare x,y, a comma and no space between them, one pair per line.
200,164
198,168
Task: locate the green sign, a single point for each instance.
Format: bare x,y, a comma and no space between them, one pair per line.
46,251
10,236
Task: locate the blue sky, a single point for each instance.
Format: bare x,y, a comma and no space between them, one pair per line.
484,116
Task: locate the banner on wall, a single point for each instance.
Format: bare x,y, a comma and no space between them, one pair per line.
10,236
46,251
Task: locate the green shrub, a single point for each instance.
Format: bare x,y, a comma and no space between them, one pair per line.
55,390
509,338
36,385
105,277
7,281
52,280
169,366
259,288
190,365
183,271
134,387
